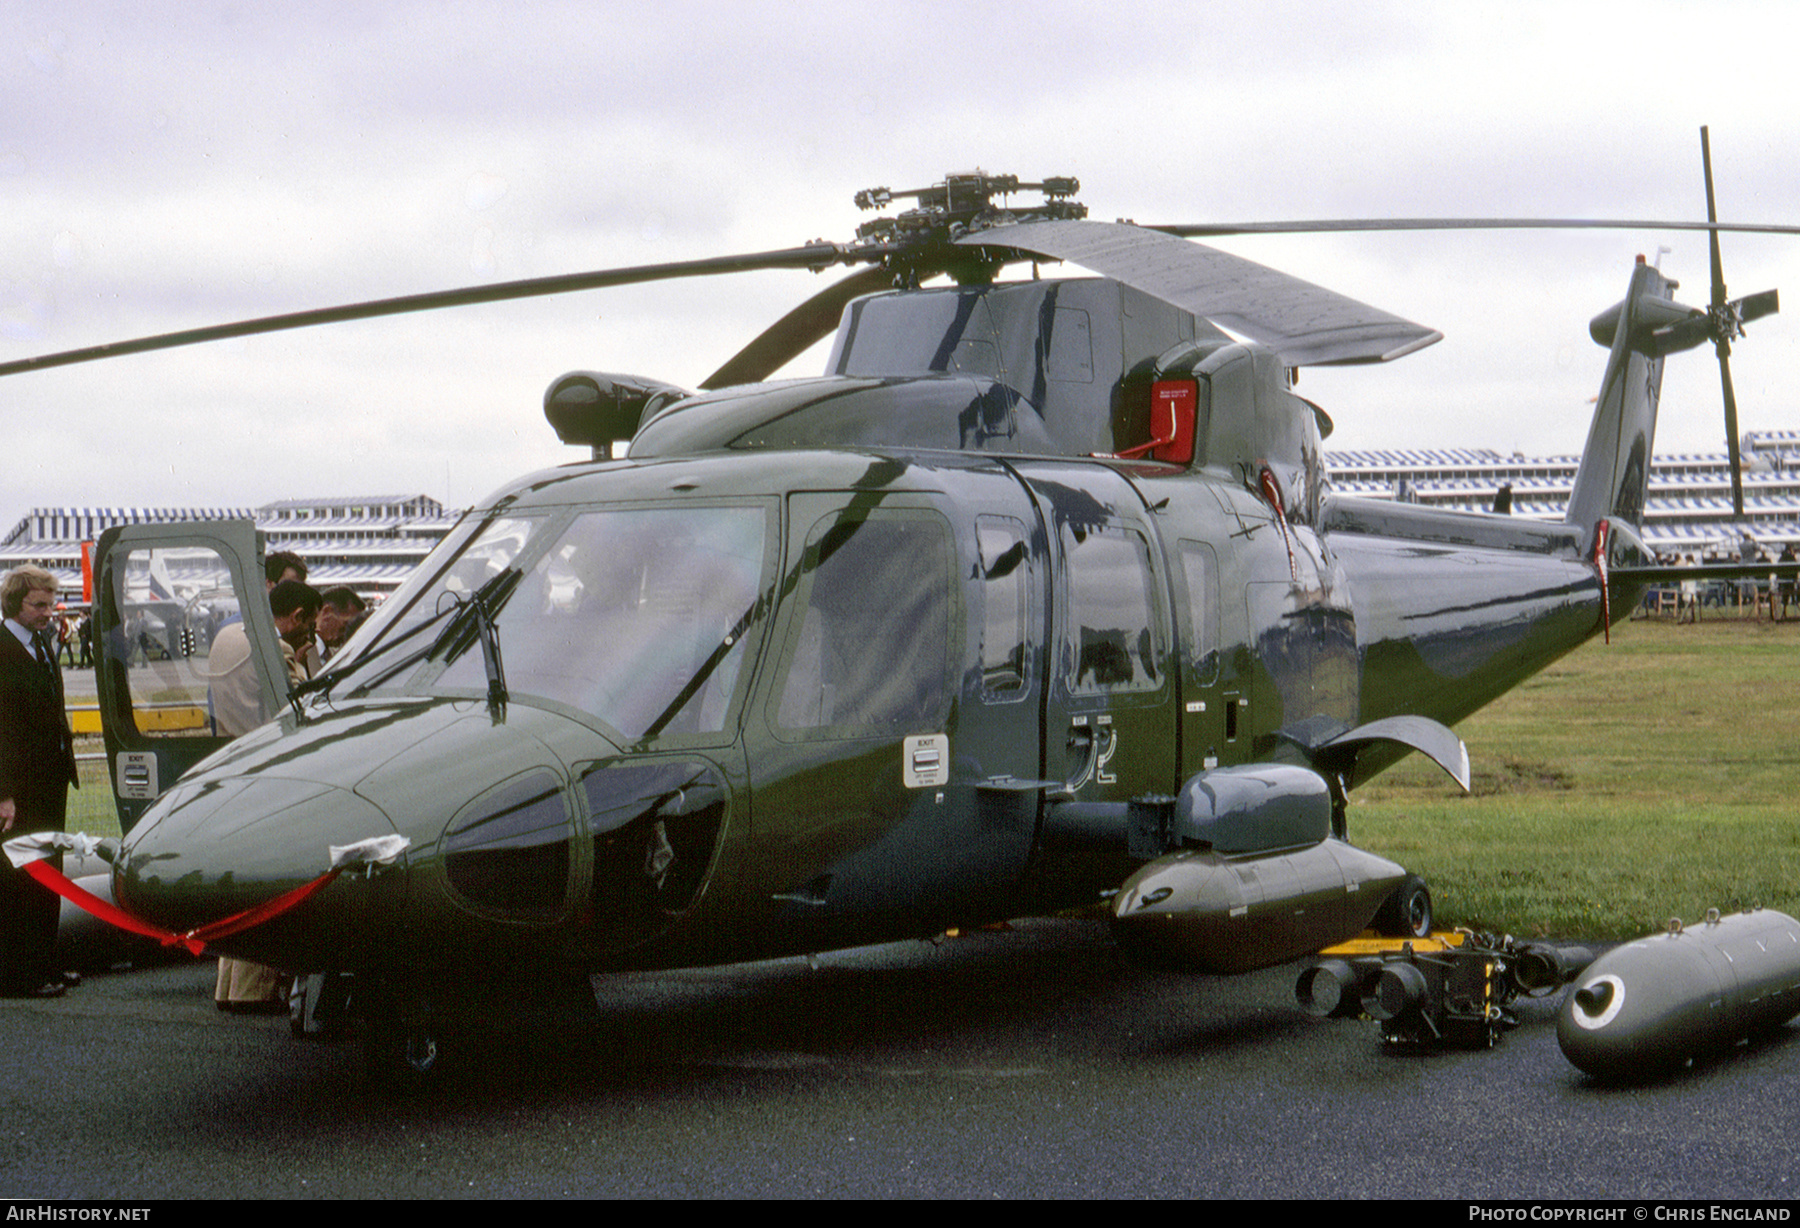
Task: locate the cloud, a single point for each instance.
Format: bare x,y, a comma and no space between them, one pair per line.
169,167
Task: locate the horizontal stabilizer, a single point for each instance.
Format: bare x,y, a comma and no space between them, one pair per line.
1337,753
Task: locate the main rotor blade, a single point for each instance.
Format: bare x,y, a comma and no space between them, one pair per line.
810,256
790,336
1307,325
1202,230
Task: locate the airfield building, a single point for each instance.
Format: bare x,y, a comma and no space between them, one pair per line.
372,543
1688,511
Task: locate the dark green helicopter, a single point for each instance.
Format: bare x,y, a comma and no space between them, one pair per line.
1038,596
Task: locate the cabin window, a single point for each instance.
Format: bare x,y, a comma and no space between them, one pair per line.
1200,570
1005,592
1112,645
870,651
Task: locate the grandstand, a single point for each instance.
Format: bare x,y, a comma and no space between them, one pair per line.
370,543
1688,511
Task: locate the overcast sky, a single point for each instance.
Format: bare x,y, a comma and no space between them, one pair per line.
168,165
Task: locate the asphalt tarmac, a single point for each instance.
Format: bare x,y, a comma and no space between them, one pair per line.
1028,1063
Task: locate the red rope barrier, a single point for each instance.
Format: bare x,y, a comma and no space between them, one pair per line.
194,940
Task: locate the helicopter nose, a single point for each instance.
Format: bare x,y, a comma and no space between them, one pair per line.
210,849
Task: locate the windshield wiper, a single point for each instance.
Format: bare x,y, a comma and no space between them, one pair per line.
488,597
485,604
705,671
476,612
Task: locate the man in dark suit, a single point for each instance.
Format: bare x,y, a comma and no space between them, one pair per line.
37,766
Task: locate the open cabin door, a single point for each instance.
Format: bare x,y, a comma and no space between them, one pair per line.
185,650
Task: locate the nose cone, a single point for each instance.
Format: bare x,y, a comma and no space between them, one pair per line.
259,819
214,847
488,797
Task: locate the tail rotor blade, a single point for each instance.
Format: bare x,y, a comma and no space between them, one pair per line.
1731,430
1756,306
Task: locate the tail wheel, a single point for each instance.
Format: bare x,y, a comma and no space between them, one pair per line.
1407,913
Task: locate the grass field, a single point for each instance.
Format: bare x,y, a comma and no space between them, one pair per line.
1629,783
91,806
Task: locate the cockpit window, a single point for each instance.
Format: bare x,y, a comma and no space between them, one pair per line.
488,551
638,616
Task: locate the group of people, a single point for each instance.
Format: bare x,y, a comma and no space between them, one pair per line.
313,626
37,752
71,633
1779,590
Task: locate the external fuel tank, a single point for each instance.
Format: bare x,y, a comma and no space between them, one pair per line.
1651,1006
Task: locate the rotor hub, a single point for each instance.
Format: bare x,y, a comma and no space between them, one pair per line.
920,242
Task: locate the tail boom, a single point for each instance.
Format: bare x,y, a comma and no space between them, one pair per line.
1614,477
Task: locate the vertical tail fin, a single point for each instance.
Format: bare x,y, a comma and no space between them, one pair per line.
1615,467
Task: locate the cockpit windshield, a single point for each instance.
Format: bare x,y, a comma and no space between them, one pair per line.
636,615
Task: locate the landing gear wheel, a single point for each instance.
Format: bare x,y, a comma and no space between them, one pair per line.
403,1057
419,1051
1407,913
404,1040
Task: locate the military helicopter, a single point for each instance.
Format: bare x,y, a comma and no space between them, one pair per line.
1038,596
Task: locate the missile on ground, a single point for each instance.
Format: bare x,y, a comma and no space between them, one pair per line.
1652,1006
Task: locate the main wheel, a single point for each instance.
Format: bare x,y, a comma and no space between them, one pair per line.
1407,913
405,1040
419,1051
402,1056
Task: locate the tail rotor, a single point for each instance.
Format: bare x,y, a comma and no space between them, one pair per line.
1724,322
